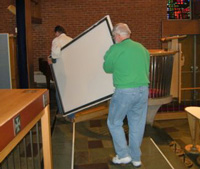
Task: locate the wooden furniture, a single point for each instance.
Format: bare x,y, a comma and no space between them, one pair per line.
194,124
20,110
174,44
186,80
13,61
161,65
8,59
180,27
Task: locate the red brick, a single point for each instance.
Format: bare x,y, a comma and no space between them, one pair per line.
143,17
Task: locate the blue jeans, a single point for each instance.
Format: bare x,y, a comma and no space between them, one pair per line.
59,106
131,102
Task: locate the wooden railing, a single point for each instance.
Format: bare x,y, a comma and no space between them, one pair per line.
20,110
161,64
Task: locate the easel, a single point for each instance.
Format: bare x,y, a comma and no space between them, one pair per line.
88,114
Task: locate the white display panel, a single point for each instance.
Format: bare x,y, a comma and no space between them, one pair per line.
79,75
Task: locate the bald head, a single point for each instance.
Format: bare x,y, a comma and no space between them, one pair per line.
120,32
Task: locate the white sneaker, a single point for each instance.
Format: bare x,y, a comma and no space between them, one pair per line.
136,163
125,160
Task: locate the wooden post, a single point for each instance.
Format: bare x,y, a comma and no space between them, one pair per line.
173,44
46,139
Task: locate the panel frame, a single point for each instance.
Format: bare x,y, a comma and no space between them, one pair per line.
107,20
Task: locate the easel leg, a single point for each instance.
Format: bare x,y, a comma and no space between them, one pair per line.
73,144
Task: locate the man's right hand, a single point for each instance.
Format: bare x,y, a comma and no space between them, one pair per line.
49,60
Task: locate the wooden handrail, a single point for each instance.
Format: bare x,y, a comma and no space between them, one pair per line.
20,110
173,37
161,52
191,88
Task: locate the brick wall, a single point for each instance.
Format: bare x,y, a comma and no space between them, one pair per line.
7,19
143,17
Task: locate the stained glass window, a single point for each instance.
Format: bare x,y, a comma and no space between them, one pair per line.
179,9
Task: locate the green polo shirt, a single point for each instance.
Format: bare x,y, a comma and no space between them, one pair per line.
128,61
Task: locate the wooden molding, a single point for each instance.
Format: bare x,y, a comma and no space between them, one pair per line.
180,27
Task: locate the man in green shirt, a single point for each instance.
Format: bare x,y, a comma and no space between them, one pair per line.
128,62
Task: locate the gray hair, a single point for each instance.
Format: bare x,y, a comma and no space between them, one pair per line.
121,29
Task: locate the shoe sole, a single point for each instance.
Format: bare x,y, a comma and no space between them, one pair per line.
120,163
138,166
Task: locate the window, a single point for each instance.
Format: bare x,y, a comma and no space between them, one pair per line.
179,9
